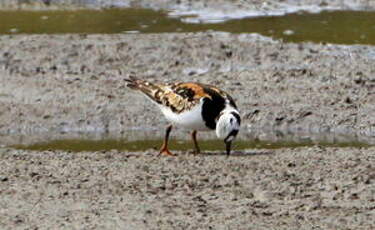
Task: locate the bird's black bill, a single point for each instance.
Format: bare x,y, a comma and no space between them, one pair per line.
228,147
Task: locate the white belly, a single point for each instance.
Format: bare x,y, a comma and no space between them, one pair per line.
191,119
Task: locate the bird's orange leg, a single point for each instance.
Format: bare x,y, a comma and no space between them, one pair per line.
164,148
194,137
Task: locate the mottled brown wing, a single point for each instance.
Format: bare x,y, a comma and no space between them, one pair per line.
214,99
183,96
190,91
213,92
149,89
178,97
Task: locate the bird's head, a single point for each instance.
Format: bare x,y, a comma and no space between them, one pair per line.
228,126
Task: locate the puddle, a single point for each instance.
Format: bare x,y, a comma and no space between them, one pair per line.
342,27
78,145
145,139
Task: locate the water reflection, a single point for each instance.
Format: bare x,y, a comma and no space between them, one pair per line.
137,140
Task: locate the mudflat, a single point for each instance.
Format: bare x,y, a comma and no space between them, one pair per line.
53,85
302,188
70,83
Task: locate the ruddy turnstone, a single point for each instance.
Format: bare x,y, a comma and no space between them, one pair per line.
194,106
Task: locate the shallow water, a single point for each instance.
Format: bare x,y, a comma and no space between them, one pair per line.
342,27
78,145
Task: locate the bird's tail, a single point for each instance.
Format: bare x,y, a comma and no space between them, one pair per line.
134,83
149,89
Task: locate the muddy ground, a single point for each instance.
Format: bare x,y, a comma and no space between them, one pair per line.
68,83
56,84
303,188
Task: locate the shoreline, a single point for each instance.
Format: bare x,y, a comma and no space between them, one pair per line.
205,11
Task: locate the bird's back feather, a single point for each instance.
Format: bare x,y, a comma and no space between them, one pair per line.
182,97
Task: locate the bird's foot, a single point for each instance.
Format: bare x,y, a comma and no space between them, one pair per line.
166,152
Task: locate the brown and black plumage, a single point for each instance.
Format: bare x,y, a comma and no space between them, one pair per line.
191,105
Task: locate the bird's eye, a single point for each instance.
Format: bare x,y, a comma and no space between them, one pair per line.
231,121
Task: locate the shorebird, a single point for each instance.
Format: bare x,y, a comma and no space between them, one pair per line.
193,106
